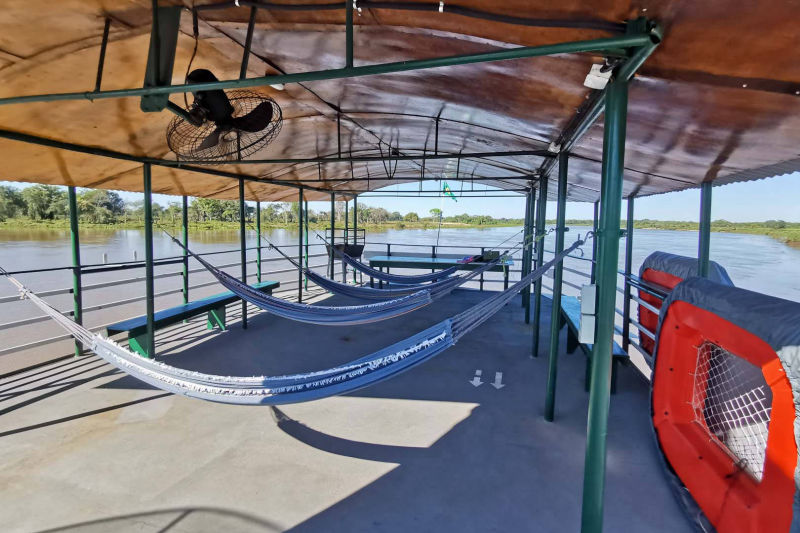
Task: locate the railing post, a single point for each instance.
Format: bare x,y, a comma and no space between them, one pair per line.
147,187
541,213
185,236
300,243
333,231
626,304
346,237
593,273
348,19
608,256
355,229
525,242
483,251
529,260
77,296
555,313
305,211
258,241
243,246
433,256
704,244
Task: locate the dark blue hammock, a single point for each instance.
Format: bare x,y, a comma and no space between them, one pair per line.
347,315
395,278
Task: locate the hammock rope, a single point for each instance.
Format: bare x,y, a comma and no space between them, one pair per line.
293,388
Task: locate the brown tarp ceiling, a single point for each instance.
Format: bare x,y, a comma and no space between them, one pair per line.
718,100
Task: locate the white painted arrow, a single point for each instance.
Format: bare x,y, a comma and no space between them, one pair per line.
498,381
476,381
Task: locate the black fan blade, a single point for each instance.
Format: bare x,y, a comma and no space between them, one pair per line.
211,140
215,102
256,120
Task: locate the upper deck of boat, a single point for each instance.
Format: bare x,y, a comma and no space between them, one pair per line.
86,448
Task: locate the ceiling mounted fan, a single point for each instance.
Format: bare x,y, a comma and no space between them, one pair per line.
223,126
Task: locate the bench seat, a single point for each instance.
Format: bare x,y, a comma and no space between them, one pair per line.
571,315
136,328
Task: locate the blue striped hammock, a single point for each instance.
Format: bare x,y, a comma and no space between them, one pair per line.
294,388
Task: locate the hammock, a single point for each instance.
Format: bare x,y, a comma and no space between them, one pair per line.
368,370
437,288
346,315
391,278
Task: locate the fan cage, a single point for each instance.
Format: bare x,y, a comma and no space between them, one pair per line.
184,138
733,402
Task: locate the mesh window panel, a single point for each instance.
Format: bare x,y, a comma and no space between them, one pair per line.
733,402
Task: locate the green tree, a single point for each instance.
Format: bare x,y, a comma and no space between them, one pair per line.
435,213
99,206
45,202
11,202
411,217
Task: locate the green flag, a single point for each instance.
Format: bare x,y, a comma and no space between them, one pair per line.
446,190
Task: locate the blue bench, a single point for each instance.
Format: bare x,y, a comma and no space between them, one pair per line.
571,315
136,328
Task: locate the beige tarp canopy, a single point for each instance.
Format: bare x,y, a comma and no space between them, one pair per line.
719,100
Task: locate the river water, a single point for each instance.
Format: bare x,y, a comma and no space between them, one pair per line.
754,262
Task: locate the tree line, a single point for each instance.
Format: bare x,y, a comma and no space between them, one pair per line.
97,206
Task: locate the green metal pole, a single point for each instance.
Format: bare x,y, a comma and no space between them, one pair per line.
185,230
593,276
525,243
300,243
77,296
349,33
243,247
704,244
333,230
355,228
305,211
643,41
150,348
626,304
258,241
529,260
541,212
608,257
555,313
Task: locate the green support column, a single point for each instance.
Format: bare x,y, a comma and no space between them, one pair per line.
558,273
541,218
185,231
346,238
333,231
77,296
300,243
348,20
150,344
531,246
593,276
243,247
607,260
626,304
355,228
704,244
258,241
305,212
525,243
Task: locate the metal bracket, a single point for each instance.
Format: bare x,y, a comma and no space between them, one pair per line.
161,56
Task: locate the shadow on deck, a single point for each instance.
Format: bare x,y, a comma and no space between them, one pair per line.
425,451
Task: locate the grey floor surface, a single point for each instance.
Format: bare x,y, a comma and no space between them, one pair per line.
85,448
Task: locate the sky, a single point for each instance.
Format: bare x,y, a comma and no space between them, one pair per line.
775,198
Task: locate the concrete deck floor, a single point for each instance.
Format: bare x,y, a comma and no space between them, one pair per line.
85,448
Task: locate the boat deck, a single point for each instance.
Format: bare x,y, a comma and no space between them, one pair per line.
86,448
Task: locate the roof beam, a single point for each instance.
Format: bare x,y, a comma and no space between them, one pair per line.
641,41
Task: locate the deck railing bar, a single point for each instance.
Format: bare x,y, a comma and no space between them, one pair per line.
643,329
646,305
578,272
42,342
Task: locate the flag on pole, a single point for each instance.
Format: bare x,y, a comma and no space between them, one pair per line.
446,190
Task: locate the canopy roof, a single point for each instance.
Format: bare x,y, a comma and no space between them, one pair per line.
718,100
